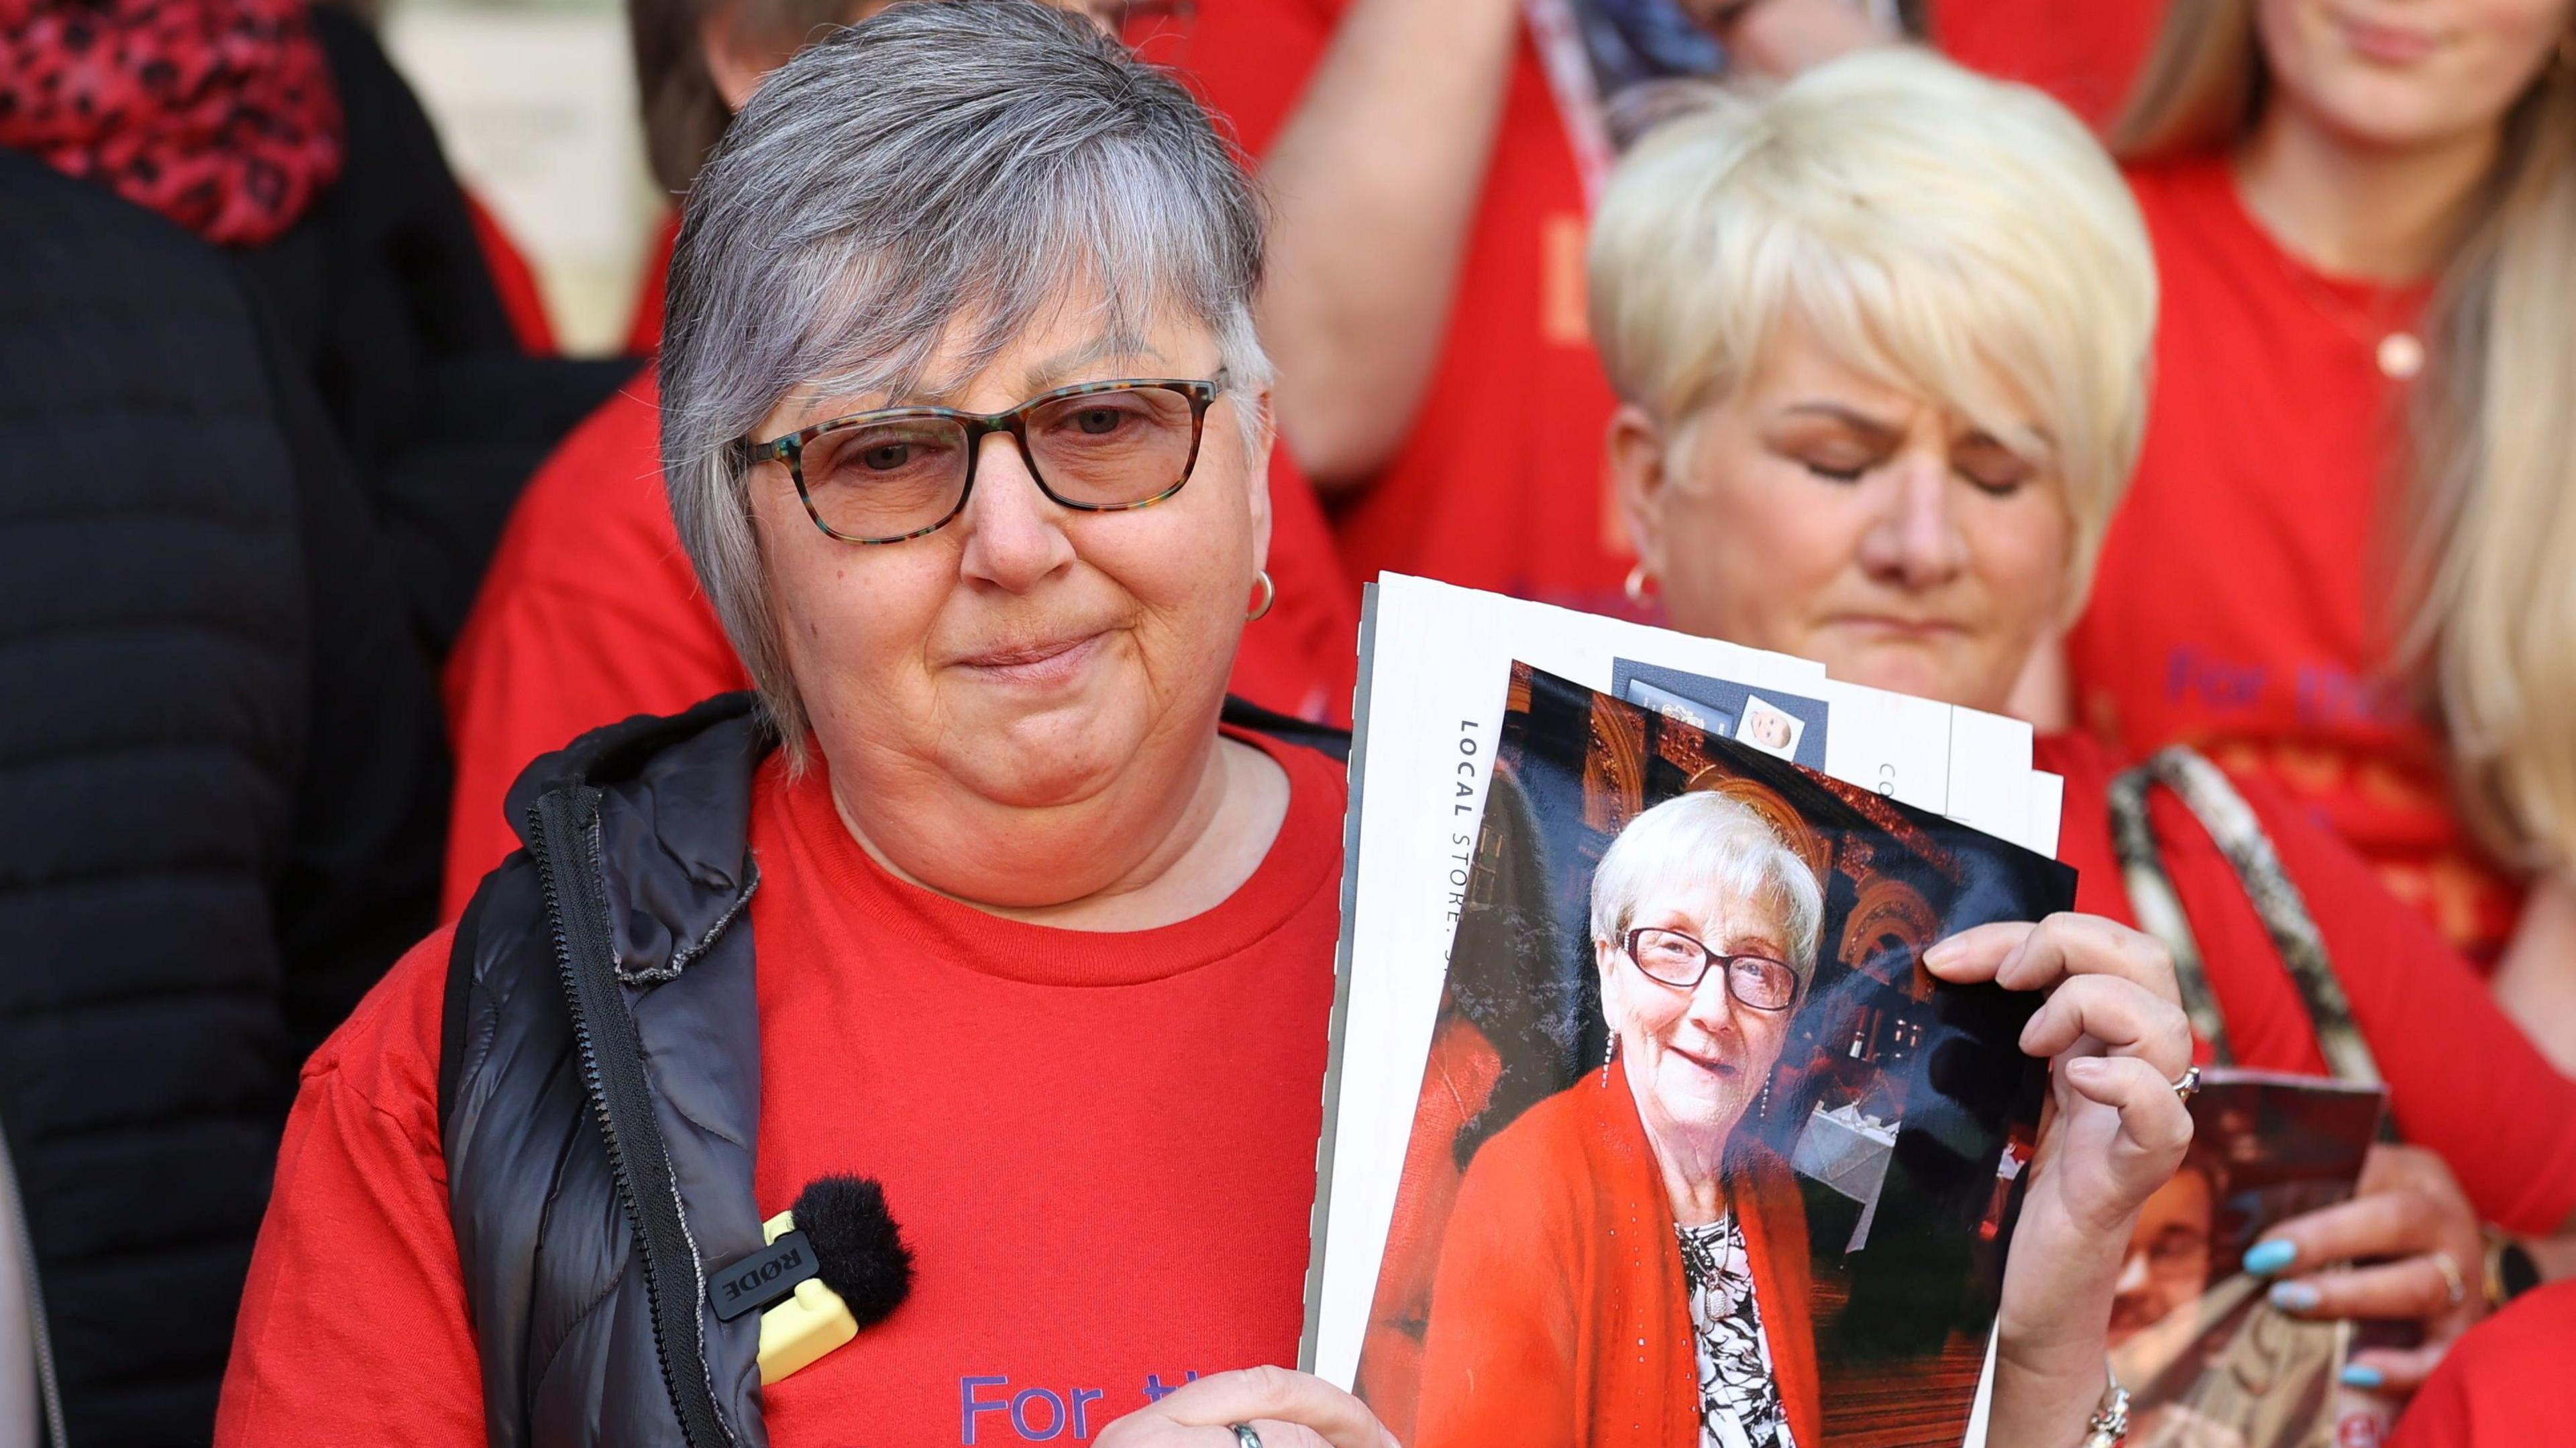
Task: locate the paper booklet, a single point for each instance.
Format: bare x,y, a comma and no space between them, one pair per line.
1494,1208
1435,662
2208,1362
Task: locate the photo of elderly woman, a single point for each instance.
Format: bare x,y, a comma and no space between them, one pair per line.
1703,1156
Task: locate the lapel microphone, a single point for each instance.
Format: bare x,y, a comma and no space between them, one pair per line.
836,1262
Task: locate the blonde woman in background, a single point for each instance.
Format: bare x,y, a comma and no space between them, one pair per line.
2348,562
1880,345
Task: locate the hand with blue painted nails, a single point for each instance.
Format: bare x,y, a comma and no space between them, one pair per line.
2405,1248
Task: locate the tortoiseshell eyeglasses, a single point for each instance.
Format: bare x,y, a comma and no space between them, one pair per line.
901,472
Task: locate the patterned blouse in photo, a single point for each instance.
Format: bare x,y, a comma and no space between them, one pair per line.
1739,1399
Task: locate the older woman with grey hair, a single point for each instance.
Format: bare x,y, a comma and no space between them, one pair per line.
987,917
985,898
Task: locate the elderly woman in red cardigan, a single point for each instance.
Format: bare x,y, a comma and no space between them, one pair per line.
1620,1267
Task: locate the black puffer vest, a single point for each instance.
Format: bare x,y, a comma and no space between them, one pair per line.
599,1087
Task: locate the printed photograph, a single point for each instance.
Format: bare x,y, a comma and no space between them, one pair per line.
1769,728
1702,1155
2208,1362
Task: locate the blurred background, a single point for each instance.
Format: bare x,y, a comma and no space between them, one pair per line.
535,101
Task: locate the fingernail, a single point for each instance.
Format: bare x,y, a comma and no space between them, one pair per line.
2359,1375
1941,954
2269,1257
2085,1068
2293,1296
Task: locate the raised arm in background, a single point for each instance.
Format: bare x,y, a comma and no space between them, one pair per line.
1373,183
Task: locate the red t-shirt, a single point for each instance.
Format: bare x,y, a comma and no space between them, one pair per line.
2243,594
2462,1079
590,613
2085,54
1101,1149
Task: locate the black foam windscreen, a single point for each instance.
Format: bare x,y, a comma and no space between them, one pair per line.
858,1250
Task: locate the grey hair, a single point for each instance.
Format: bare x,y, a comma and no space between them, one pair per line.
946,166
1700,840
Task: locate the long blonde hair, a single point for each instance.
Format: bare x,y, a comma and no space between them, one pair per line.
2487,597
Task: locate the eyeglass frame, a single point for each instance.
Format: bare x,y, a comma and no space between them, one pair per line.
790,448
1711,960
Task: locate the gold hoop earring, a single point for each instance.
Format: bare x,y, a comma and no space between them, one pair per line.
1637,581
1269,596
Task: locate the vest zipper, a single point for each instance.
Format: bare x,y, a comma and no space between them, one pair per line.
612,1071
49,1389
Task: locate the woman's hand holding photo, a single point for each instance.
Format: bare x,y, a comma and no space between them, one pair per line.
2114,1031
2416,1236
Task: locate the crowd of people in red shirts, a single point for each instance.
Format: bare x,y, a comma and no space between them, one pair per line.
2345,567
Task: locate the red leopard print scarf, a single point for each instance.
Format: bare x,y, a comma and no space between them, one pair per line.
219,114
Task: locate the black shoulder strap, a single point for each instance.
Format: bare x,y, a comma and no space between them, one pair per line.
2233,826
1323,738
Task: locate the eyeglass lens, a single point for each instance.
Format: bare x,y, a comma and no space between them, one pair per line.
1098,449
1677,960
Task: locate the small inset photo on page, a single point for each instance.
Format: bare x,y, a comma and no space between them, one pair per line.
1674,706
1769,728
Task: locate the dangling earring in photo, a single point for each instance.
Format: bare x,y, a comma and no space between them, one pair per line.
1609,1053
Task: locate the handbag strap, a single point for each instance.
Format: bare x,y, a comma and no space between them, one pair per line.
2232,825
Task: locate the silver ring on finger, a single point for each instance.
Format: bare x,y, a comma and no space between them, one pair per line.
2452,1281
2189,1086
1244,1437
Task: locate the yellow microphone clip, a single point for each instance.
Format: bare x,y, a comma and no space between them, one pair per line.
801,1319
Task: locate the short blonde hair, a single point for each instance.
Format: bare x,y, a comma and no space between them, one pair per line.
1956,235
